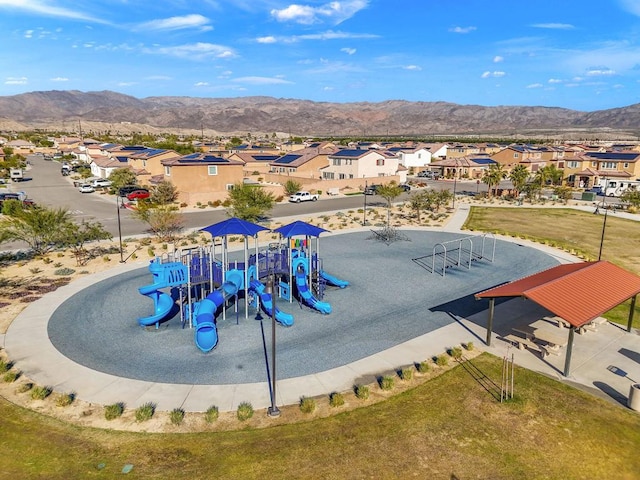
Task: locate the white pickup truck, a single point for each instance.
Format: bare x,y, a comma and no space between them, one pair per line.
303,197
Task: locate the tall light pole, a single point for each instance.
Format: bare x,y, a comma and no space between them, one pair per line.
604,222
118,206
364,219
273,410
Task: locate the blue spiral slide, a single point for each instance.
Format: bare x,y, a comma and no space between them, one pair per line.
300,269
206,334
282,318
331,280
164,275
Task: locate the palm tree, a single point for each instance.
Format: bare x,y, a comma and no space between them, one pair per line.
494,175
519,176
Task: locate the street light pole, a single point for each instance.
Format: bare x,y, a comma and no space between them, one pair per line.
364,219
455,181
118,206
273,410
604,222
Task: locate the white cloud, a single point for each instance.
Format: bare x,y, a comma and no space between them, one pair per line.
555,80
158,77
535,85
554,26
327,89
495,74
462,29
599,72
201,84
28,34
498,59
267,39
177,23
16,81
331,35
334,12
262,81
194,51
348,51
59,79
631,6
412,67
127,84
41,7
618,85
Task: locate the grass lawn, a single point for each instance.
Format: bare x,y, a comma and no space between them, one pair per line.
449,427
573,230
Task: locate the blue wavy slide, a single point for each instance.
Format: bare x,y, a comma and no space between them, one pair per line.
283,318
300,267
331,280
206,334
164,275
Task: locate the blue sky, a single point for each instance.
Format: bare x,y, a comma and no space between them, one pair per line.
580,54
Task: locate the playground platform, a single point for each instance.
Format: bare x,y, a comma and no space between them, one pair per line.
84,337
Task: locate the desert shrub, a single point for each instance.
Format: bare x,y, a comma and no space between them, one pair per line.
40,393
151,252
423,367
145,412
35,270
63,272
362,392
212,414
113,411
46,260
386,382
176,416
65,399
10,377
468,346
336,399
307,405
57,264
406,374
456,352
4,366
25,387
245,411
106,259
442,360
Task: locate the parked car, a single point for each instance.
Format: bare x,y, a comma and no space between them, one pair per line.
101,182
303,197
428,174
138,195
86,188
16,196
405,187
127,189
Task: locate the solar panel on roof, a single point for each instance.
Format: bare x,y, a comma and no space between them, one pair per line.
349,153
265,158
288,159
613,155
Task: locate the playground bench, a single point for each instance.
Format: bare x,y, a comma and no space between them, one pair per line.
523,343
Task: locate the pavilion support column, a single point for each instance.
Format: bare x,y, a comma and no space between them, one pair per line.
631,311
567,358
492,302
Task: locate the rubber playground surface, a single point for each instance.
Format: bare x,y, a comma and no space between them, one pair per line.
393,297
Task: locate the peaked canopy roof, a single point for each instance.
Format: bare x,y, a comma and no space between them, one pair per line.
233,226
576,292
299,228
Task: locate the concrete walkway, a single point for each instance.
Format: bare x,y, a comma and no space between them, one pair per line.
594,354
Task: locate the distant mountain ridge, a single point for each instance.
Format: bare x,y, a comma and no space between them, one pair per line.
305,117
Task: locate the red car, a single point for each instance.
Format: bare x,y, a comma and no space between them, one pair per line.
138,195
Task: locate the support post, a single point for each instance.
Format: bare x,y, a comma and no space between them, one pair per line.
632,309
567,358
492,302
118,206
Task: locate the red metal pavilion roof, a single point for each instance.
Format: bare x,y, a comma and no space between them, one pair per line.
576,292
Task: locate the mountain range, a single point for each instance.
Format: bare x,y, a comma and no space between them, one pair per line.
107,110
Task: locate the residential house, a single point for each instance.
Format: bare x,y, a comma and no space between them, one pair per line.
513,155
459,150
200,177
254,162
437,150
306,163
21,147
147,163
352,164
592,168
102,165
469,167
416,157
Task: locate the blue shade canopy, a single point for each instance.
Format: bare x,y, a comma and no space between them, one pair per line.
233,226
299,228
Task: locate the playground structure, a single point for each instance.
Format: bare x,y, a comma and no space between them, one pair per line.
203,279
462,252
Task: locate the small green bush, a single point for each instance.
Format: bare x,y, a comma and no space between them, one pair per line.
456,352
35,270
176,416
442,360
40,393
113,411
336,399
307,405
362,392
386,382
64,272
151,252
245,411
406,374
10,377
212,414
65,399
57,264
25,387
469,346
145,412
4,366
423,367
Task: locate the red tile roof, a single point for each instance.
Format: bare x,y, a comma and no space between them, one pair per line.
576,292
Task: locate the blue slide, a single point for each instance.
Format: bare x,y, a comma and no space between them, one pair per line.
331,280
206,334
164,275
283,318
300,266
